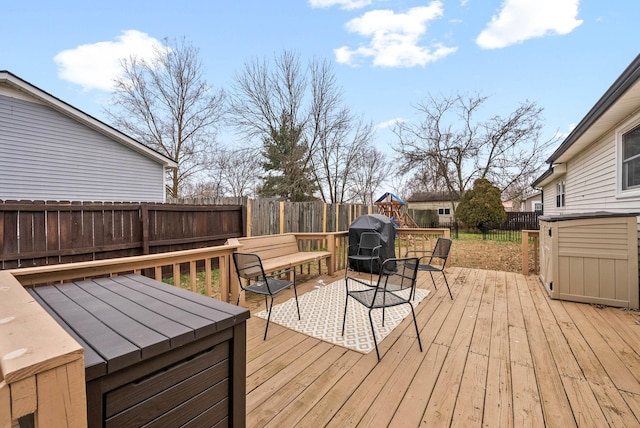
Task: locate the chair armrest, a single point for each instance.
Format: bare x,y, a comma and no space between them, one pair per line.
360,281
376,250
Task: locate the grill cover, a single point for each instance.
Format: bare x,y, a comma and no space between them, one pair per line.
372,223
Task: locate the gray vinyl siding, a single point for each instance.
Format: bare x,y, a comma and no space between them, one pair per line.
45,155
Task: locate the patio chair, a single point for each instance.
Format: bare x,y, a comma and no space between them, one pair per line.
249,268
367,252
396,286
437,260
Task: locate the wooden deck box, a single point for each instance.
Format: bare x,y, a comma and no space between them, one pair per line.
590,258
155,355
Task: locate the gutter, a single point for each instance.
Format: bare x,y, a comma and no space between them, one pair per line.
628,77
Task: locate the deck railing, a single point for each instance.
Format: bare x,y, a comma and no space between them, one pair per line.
42,367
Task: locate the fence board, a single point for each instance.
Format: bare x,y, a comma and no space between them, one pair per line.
39,233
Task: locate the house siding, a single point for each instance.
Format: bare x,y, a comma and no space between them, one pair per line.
47,155
591,179
590,182
435,205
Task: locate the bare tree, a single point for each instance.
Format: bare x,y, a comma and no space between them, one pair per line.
240,171
266,104
371,170
167,105
304,128
339,155
457,149
337,136
204,188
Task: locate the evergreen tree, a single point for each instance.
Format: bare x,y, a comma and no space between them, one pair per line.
284,154
481,207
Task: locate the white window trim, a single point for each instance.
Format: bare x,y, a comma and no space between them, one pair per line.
444,211
561,199
623,129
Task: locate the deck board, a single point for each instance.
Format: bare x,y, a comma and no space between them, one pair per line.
500,354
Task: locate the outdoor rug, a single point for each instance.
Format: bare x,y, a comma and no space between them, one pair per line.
322,311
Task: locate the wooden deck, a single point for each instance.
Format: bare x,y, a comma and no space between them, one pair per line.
500,354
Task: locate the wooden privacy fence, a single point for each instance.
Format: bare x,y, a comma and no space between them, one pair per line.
42,233
268,216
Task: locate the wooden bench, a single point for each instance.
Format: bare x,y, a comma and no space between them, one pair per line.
280,252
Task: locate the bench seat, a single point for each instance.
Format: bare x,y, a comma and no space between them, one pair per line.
279,252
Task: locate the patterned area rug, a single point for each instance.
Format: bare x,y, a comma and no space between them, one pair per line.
322,311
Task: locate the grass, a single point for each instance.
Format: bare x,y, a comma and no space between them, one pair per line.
201,284
471,251
468,250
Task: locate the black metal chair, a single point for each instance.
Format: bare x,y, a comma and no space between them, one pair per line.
367,251
437,260
249,268
396,286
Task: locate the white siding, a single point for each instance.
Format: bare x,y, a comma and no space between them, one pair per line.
45,155
590,182
591,178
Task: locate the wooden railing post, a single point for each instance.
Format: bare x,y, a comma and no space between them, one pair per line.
525,249
331,247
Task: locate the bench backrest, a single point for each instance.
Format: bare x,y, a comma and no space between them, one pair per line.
269,246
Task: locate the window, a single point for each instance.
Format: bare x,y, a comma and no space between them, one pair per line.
537,206
560,194
631,159
444,211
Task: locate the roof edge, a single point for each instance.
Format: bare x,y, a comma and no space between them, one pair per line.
64,107
628,77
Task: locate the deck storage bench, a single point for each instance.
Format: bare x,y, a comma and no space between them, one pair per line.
155,355
590,258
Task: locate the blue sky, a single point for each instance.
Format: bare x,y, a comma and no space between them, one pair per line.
388,55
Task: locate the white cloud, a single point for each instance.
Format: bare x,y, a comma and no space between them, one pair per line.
344,4
520,20
96,66
390,123
395,38
561,135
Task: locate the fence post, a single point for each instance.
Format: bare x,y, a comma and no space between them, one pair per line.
281,217
144,219
248,217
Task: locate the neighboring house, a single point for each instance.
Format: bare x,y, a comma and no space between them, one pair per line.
49,150
532,202
597,167
444,203
591,199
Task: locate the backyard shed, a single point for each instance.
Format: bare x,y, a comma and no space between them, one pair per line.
590,258
595,169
